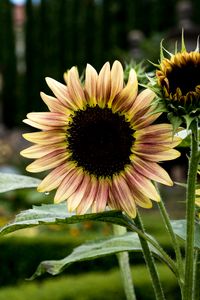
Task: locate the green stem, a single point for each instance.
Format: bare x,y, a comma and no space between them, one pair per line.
123,259
150,262
197,276
190,214
174,240
165,257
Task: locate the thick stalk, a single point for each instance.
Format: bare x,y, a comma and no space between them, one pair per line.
174,240
150,262
190,215
123,259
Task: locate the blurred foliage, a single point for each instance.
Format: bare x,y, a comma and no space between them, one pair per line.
60,34
94,285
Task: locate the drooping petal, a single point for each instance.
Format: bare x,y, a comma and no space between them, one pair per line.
76,197
101,197
123,195
141,183
72,182
55,177
151,170
89,197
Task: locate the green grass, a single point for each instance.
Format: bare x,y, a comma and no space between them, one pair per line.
92,286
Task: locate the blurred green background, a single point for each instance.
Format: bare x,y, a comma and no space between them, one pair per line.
45,38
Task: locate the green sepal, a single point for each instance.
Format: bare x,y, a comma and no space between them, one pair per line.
176,121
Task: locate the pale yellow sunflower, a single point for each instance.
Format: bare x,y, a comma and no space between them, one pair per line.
99,142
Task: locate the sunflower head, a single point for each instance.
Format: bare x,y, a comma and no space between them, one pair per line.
99,142
177,83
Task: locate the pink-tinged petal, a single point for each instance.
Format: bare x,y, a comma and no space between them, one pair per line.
141,183
113,203
91,78
38,151
75,198
89,197
49,161
104,85
52,119
123,195
155,130
75,88
143,100
70,185
55,177
152,138
160,156
101,198
61,92
168,142
125,99
54,104
38,125
117,80
46,137
151,170
145,120
142,148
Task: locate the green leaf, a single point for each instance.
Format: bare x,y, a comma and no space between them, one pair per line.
9,182
175,121
57,214
92,250
179,227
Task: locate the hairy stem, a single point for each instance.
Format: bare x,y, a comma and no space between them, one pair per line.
150,262
190,214
123,259
174,240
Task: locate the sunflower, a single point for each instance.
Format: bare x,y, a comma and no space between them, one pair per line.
178,78
99,142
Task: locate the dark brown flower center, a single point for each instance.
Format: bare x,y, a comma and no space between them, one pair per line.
100,141
186,77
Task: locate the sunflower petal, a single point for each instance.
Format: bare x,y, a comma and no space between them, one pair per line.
152,171
49,161
46,137
55,177
70,184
